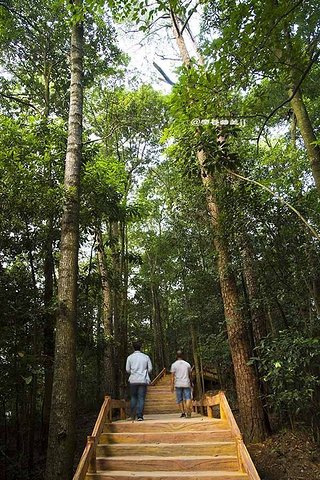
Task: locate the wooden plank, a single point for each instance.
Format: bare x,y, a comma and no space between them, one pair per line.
168,476
166,437
168,464
158,377
119,403
227,413
102,417
247,463
83,464
88,459
166,449
192,424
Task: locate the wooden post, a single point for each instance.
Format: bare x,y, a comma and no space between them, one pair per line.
239,440
223,414
92,464
123,413
109,412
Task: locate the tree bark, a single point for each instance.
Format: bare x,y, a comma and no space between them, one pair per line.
258,319
158,334
61,443
196,360
48,341
116,302
247,385
307,133
108,360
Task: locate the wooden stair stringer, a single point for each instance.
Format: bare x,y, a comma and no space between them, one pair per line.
165,446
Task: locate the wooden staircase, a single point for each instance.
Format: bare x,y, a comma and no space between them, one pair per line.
165,446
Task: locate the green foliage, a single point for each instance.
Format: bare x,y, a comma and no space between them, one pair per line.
289,365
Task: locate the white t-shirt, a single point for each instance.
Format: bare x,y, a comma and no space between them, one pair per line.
181,370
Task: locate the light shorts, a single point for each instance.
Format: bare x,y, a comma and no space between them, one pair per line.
183,393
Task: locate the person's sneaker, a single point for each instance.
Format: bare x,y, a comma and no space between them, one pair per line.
189,414
182,415
140,419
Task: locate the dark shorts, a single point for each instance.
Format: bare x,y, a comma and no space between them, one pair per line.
183,393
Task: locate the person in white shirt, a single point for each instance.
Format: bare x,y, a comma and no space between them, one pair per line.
181,382
138,366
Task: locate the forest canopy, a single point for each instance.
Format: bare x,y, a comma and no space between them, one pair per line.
175,204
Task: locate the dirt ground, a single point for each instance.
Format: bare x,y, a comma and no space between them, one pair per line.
287,456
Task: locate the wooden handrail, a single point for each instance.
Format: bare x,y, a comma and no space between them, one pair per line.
88,459
160,375
246,464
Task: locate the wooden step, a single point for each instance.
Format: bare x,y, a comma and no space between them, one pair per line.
160,391
157,388
116,475
168,464
154,398
167,449
166,437
163,399
179,425
160,401
161,409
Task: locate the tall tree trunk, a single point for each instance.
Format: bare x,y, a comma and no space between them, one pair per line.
158,335
258,319
49,317
108,360
61,443
248,392
124,304
307,133
247,384
34,384
48,341
196,359
116,302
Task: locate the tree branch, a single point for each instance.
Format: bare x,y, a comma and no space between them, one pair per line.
313,231
165,76
312,61
19,100
190,15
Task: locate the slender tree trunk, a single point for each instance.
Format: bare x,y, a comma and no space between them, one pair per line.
248,392
108,360
196,359
61,442
158,335
34,384
48,342
124,304
308,135
116,302
49,317
258,319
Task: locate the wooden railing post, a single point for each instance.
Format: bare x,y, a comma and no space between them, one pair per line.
123,413
223,413
239,442
209,408
93,460
109,411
